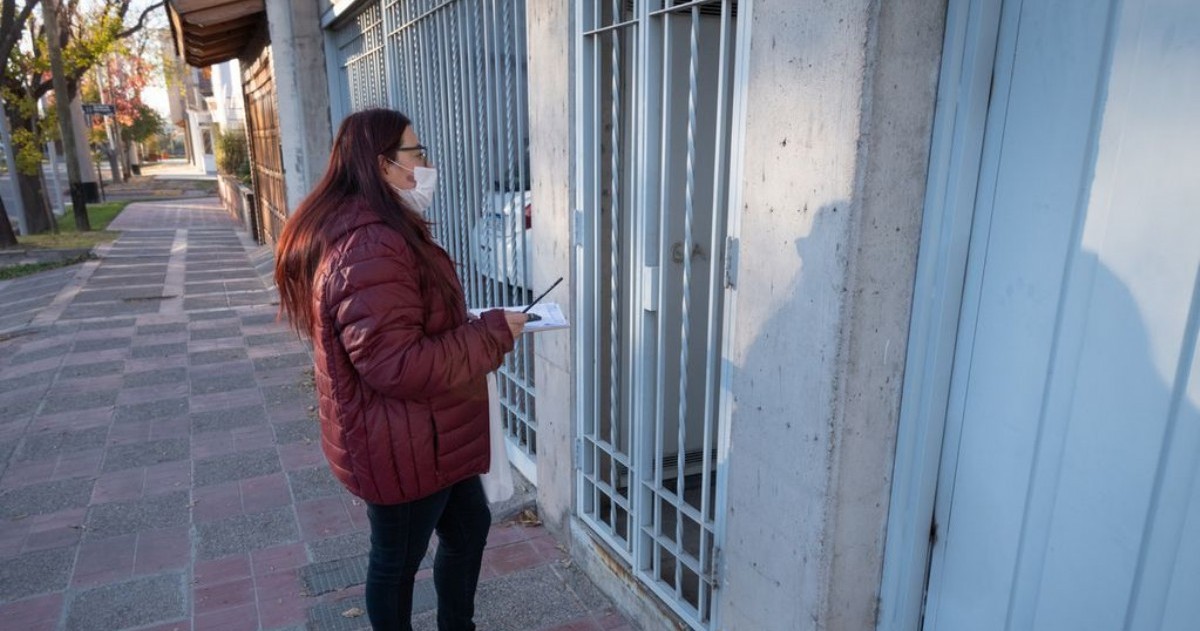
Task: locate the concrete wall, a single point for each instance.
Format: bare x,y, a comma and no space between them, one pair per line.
551,155
302,92
841,103
840,106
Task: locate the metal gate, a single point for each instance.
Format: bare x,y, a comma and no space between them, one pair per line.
457,69
655,98
266,150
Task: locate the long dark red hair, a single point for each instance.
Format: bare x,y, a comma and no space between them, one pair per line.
353,175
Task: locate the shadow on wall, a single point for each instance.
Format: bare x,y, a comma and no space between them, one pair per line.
1127,419
780,423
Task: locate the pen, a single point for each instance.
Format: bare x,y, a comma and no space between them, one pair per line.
539,298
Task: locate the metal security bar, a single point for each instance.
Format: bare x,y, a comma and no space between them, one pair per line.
361,59
655,96
457,69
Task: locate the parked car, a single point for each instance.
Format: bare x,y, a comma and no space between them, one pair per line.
500,238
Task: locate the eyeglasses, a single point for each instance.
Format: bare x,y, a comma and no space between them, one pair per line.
422,151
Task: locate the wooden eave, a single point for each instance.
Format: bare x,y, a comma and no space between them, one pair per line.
209,32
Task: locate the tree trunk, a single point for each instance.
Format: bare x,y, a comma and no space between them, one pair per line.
8,238
34,198
29,187
125,148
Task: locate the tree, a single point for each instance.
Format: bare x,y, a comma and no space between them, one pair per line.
63,107
127,76
87,37
13,17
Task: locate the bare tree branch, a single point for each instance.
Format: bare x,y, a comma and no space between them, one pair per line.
11,28
141,20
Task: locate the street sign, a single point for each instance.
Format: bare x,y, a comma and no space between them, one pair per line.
103,109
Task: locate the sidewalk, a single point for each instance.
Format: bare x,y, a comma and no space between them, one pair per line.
159,459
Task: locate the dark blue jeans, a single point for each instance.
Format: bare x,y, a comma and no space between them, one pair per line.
399,538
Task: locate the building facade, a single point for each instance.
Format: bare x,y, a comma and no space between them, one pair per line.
884,314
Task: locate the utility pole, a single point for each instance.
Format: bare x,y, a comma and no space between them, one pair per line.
62,103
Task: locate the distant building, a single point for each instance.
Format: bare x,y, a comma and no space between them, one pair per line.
189,95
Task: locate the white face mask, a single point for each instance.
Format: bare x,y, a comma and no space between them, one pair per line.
420,197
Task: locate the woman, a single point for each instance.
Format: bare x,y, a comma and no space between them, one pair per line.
400,369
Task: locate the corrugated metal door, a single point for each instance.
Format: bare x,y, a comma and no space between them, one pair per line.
1068,495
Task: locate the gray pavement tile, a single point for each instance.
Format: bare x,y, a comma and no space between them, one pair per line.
531,599
159,377
236,466
19,405
222,382
297,431
26,357
151,410
6,448
100,325
145,280
39,379
214,420
35,573
282,361
592,598
250,298
122,457
157,329
217,356
204,303
328,616
340,547
52,444
261,318
46,498
270,338
221,286
309,484
213,315
148,513
102,344
201,277
328,576
64,402
117,294
94,369
243,533
79,311
216,332
285,393
216,266
128,605
158,350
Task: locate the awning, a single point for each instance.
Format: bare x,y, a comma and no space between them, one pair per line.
208,32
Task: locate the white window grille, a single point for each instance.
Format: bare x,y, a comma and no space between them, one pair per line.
654,110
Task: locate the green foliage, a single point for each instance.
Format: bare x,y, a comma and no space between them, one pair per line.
147,124
28,150
233,154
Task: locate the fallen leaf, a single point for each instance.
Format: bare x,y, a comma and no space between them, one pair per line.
352,612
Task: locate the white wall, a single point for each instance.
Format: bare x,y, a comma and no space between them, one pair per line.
302,93
229,110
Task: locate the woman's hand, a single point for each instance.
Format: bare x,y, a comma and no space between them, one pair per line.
516,322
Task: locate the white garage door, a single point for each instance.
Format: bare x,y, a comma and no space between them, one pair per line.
1067,495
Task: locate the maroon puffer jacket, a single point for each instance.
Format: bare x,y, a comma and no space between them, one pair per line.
400,379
